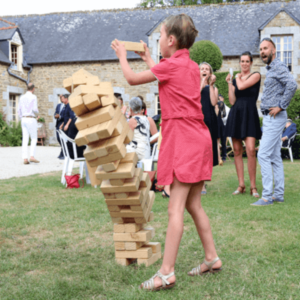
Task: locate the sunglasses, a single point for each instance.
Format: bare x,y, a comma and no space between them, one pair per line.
268,40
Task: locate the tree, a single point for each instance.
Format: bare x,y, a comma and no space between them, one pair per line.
207,51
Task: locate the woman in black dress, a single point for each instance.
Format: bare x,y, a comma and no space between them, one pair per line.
243,121
209,98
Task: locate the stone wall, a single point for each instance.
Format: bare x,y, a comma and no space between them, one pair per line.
48,80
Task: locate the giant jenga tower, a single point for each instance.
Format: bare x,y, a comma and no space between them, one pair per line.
126,189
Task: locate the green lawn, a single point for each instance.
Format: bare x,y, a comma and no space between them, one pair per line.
57,243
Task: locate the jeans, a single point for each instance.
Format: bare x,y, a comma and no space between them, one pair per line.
29,128
269,156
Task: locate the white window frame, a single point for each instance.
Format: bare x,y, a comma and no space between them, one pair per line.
282,48
10,109
157,105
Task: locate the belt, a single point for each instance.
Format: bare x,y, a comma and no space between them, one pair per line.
28,117
265,112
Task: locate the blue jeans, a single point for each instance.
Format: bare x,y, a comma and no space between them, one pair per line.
269,156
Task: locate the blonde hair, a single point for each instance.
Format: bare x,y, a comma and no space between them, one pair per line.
183,28
210,69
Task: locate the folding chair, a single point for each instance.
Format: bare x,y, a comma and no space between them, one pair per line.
289,146
148,162
69,162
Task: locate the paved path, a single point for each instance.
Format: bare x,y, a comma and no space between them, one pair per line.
11,163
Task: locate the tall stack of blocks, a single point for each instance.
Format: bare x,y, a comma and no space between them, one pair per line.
126,189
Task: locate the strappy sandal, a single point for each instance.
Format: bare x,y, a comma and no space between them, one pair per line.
243,190
197,271
148,285
165,194
256,195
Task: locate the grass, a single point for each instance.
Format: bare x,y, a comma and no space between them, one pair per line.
57,243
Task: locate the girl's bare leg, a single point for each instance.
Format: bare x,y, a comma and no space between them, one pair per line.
194,207
178,196
238,160
251,154
219,151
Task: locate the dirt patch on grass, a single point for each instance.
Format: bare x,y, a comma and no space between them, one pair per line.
35,273
49,174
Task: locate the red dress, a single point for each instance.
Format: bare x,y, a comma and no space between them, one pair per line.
186,148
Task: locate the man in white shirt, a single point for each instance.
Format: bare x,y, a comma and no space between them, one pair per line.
27,111
223,138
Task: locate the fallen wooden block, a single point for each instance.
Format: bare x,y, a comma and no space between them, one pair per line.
110,167
140,236
130,185
133,46
91,101
149,261
140,253
77,105
95,117
125,171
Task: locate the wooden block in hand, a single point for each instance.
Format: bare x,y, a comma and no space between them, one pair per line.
133,46
91,101
140,236
98,116
77,105
140,253
123,171
68,84
110,167
149,261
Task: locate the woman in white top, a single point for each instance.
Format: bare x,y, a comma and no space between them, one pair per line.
141,128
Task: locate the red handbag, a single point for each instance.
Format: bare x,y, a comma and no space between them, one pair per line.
73,181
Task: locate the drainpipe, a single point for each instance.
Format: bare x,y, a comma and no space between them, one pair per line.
14,75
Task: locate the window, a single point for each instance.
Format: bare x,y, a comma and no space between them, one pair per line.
157,105
284,49
14,54
13,104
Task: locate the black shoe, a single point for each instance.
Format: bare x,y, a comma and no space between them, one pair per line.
61,158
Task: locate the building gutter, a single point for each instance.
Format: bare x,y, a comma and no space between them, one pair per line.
19,77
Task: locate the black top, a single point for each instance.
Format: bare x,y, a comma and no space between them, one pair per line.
221,114
211,121
243,120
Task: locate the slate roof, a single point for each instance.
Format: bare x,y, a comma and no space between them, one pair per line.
86,36
4,58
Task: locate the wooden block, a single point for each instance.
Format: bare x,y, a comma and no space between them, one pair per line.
93,80
92,175
82,72
82,90
132,220
107,86
119,228
140,253
121,195
142,220
133,46
118,130
79,80
130,185
114,144
130,157
141,236
130,246
109,196
77,105
156,247
151,216
132,227
145,181
117,182
125,261
113,166
117,220
123,171
114,208
154,258
67,84
152,231
135,198
91,101
110,100
95,117
95,150
80,139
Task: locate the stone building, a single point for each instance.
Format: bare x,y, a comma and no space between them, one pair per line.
49,48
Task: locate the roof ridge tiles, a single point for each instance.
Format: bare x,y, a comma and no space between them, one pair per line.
11,27
10,23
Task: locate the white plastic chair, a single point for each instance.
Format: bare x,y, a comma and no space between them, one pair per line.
289,146
148,162
69,162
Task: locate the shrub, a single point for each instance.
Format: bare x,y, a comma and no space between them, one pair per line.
10,134
207,51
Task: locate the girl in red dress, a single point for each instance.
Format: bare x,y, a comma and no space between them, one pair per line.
184,163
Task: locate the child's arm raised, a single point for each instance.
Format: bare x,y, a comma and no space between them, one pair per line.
131,77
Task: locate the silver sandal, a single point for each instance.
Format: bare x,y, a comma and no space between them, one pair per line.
148,285
197,271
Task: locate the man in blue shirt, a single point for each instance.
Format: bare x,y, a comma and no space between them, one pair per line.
57,116
289,131
280,87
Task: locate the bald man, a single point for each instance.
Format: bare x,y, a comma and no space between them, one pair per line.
28,111
279,88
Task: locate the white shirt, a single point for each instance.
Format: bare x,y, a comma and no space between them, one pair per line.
28,105
227,109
